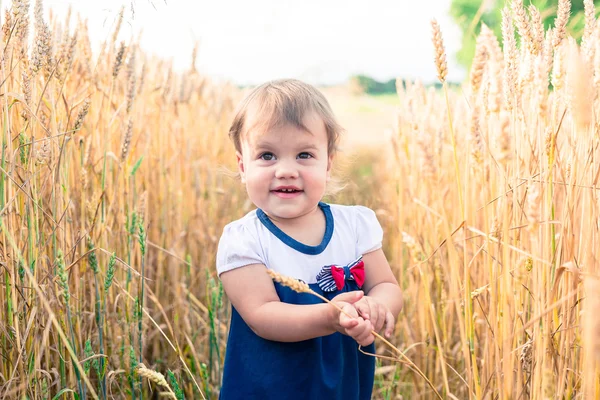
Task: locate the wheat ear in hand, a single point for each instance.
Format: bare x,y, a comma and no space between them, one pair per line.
301,287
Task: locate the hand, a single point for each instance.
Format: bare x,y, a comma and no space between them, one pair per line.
377,313
356,327
353,325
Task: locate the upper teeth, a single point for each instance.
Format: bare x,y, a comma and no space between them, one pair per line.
287,190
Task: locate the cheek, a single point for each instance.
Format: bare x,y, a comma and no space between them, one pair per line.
317,177
257,178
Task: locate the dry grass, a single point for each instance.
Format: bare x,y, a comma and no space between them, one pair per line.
112,202
110,197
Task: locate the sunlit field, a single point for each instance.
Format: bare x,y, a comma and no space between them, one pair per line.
116,181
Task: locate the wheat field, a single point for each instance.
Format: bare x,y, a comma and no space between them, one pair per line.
114,189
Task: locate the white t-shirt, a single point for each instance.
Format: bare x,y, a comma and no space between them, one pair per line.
326,367
350,232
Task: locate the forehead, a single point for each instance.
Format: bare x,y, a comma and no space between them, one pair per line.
264,128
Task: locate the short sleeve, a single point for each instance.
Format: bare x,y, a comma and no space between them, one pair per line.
369,234
237,248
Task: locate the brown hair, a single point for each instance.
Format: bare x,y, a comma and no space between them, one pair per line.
284,101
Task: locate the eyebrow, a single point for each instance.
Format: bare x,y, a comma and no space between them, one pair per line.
267,145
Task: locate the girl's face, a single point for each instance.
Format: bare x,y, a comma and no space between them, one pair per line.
286,168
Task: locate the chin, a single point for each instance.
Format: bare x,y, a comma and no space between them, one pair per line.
284,211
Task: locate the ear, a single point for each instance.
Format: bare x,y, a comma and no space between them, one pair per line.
329,166
240,162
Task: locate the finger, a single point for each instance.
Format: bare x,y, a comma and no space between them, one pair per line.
366,342
347,318
358,329
373,312
350,297
390,324
363,308
381,319
368,328
349,310
366,337
347,322
374,319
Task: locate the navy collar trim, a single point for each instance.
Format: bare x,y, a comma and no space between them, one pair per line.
293,243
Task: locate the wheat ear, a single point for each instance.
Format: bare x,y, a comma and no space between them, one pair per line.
440,52
155,377
302,287
560,22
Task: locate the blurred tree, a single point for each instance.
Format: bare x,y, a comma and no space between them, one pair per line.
366,84
469,14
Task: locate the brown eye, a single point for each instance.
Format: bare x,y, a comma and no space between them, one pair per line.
304,155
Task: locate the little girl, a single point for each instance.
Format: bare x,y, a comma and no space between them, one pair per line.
282,344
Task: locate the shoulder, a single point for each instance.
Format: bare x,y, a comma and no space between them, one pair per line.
354,214
361,222
247,225
240,244
243,232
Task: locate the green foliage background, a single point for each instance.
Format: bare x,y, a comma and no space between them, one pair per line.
372,86
468,16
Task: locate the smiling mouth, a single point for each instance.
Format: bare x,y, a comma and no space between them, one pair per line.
287,190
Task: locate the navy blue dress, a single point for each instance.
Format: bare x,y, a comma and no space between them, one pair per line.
328,367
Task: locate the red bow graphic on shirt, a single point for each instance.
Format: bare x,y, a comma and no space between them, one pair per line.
333,277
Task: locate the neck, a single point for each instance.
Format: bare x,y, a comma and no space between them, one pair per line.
298,221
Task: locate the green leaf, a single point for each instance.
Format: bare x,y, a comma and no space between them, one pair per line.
102,372
136,166
31,365
63,391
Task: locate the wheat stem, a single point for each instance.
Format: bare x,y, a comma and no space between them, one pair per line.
302,287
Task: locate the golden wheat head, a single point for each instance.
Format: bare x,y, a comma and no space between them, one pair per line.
155,377
294,284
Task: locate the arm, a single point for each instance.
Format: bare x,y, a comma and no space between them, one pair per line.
380,281
271,319
383,298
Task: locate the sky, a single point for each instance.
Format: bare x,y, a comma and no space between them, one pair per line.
249,42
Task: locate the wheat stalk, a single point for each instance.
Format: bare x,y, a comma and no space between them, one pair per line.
476,140
590,18
560,22
510,59
119,22
118,60
302,287
495,65
537,31
440,52
20,9
42,47
541,84
126,140
596,64
522,23
156,377
83,111
579,88
533,207
481,56
131,80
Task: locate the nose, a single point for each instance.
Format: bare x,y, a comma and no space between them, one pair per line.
286,169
